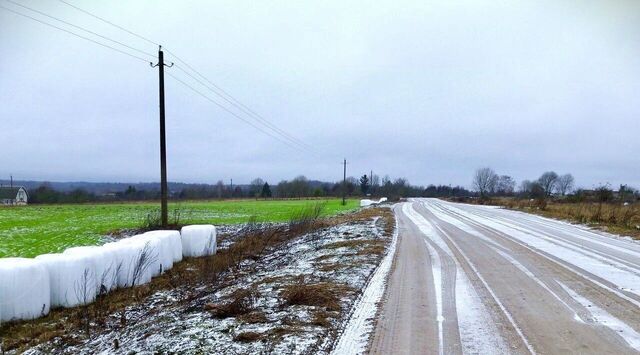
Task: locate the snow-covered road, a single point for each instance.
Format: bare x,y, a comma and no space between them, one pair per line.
482,280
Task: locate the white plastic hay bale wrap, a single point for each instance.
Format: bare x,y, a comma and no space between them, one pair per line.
126,257
365,203
198,240
25,291
171,238
72,277
146,263
160,248
104,260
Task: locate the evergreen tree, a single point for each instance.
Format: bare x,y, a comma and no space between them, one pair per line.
266,190
364,184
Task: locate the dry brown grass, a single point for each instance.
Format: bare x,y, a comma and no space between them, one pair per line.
321,319
240,302
323,294
253,317
247,337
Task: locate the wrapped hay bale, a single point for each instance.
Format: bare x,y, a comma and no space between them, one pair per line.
146,262
198,240
126,259
365,203
173,239
161,249
24,289
72,278
104,260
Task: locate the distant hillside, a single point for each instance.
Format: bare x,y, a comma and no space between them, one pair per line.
102,188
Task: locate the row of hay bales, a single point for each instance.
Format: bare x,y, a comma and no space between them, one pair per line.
29,288
365,203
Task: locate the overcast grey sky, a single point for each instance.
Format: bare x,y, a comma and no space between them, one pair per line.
428,90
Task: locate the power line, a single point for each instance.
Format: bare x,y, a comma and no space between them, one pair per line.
229,111
82,28
265,123
74,34
220,92
109,22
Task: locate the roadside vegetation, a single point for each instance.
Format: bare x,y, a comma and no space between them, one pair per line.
250,294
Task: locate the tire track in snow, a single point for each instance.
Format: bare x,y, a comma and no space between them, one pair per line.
559,261
480,335
436,268
602,317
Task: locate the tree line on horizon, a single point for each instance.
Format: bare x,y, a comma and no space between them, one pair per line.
487,183
298,187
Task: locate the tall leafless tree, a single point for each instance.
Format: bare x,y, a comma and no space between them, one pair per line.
484,181
564,184
548,181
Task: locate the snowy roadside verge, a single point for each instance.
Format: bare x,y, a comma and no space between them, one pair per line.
355,335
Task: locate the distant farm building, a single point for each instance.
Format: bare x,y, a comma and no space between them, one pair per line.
13,196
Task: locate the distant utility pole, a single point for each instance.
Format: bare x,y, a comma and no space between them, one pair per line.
344,183
163,141
231,187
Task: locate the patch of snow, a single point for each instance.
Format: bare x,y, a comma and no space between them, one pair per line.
600,316
355,337
436,269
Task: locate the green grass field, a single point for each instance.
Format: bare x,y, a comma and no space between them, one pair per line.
37,229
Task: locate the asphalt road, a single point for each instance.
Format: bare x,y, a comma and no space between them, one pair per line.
481,280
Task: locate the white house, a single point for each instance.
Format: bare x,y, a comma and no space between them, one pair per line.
12,196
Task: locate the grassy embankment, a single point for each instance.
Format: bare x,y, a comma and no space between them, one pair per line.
37,229
611,217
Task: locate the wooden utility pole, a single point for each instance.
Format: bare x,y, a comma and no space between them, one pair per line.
163,142
344,183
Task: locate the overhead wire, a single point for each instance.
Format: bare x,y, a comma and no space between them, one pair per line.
109,22
218,90
233,101
81,28
268,125
290,140
74,34
229,111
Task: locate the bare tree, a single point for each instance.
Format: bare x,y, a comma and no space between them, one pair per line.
564,184
548,181
525,187
484,181
505,185
256,187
